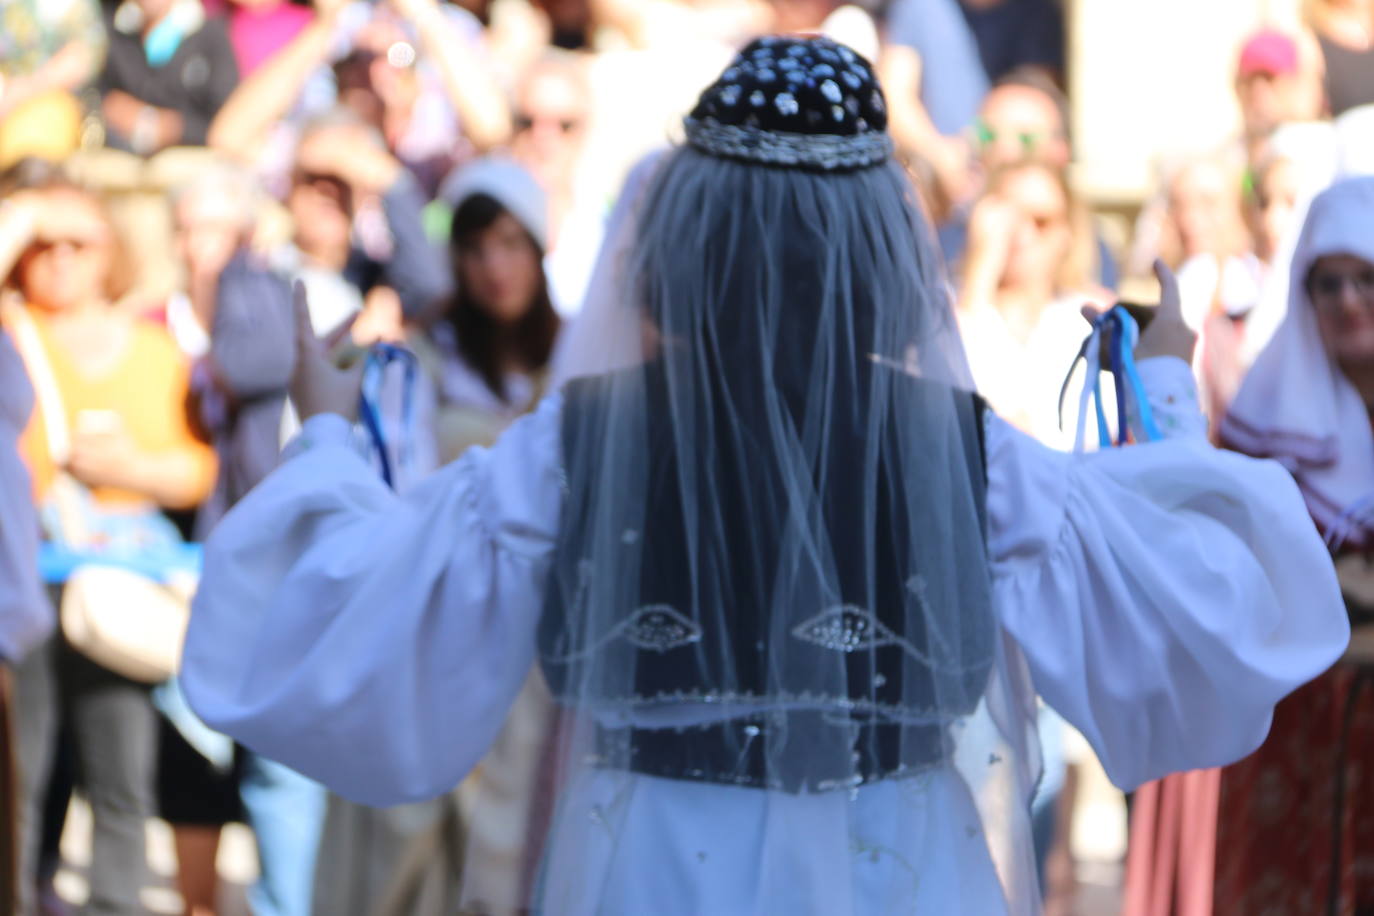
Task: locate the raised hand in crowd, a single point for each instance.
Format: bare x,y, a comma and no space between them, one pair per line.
991,231
469,83
1168,334
351,154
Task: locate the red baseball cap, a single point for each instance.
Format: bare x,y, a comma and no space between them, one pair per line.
1268,51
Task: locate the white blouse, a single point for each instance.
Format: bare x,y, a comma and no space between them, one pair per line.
1165,597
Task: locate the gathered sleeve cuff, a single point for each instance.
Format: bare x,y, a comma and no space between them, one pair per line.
1166,595
370,641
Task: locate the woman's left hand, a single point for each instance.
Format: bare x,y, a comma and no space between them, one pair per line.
317,385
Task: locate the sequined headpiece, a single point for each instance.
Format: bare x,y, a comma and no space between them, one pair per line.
807,103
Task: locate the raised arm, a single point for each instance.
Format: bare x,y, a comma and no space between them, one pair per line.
266,97
370,641
1165,595
468,80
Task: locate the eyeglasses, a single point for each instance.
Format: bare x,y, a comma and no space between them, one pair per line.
524,122
1326,288
75,245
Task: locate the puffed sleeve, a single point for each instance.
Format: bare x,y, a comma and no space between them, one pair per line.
373,642
1165,595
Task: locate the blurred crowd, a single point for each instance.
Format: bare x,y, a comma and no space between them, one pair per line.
437,175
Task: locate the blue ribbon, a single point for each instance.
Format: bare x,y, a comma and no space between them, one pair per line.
379,357
1125,376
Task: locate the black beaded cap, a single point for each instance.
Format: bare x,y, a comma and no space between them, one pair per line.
796,102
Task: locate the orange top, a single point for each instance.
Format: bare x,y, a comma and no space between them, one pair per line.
147,389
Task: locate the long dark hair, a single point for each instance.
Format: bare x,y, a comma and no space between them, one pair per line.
484,343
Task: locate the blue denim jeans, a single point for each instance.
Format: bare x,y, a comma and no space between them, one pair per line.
286,812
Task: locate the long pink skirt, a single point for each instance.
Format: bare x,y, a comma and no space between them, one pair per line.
1171,859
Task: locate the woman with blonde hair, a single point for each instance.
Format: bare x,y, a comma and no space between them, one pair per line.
110,428
1027,272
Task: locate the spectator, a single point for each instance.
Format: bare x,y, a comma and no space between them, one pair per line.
940,58
123,385
197,795
1026,274
414,70
935,82
1273,86
341,166
551,126
49,51
1345,32
168,72
1271,201
1023,119
487,355
1207,238
489,350
1307,402
259,28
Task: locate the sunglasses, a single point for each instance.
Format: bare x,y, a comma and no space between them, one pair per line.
524,122
79,244
318,179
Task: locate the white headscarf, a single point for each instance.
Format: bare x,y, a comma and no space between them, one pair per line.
509,184
1296,405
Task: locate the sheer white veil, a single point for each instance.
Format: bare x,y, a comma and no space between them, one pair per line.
772,575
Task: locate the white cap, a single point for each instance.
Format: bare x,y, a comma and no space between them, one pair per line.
509,184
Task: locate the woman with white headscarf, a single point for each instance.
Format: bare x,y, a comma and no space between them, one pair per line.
788,579
489,349
1307,404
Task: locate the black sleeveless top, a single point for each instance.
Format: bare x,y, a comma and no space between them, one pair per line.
795,734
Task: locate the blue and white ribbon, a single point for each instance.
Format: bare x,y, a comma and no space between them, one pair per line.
1118,331
379,358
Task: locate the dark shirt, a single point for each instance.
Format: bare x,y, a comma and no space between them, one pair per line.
964,51
194,83
952,79
417,269
1349,76
1018,33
